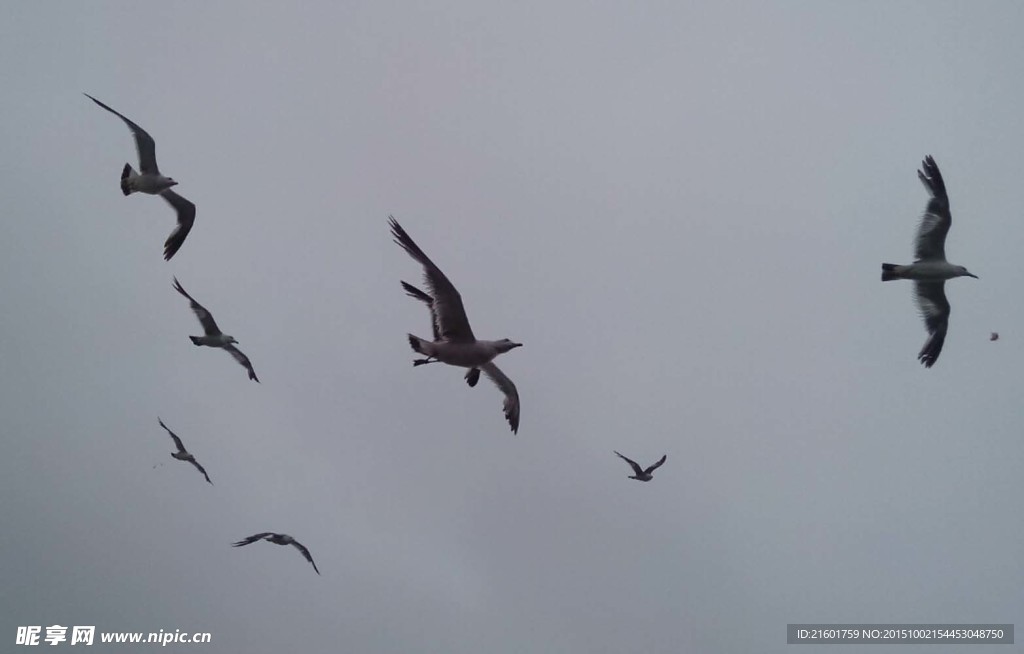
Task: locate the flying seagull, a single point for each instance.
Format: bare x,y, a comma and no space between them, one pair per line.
930,270
151,181
473,374
278,539
182,454
994,336
213,337
639,473
454,342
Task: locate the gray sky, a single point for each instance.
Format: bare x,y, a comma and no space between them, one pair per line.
680,210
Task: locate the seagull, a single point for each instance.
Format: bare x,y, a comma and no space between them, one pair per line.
278,539
151,181
454,342
473,375
994,336
182,454
639,473
930,270
213,337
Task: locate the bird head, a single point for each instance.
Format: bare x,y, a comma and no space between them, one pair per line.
963,273
504,345
171,182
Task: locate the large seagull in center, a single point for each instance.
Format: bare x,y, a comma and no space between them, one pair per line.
454,342
213,337
149,180
930,270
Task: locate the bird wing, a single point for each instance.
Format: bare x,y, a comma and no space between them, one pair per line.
201,469
637,470
177,441
511,405
252,539
416,293
242,359
205,317
657,465
186,216
449,314
305,552
143,141
931,300
931,233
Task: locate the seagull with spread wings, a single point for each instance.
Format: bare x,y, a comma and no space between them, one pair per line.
149,180
213,337
930,270
278,539
639,473
454,342
182,454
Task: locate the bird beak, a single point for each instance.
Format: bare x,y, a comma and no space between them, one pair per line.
974,276
517,345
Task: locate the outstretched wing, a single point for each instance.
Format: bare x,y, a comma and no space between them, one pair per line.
449,314
205,317
201,469
143,141
656,465
305,552
177,441
242,359
186,216
416,293
931,233
637,470
511,405
931,299
252,539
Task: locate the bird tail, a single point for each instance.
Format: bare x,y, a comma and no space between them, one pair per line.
126,174
889,272
417,344
195,340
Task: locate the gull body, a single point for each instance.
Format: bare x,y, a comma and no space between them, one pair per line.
182,454
642,474
454,342
213,337
151,181
930,270
278,539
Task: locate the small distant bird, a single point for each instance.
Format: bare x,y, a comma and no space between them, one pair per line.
454,342
278,539
152,182
182,454
930,270
994,336
213,337
639,473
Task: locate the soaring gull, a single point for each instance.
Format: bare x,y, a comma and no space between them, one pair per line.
149,180
639,473
213,337
930,269
278,539
182,454
454,342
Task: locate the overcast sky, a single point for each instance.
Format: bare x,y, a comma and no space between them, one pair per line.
679,208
